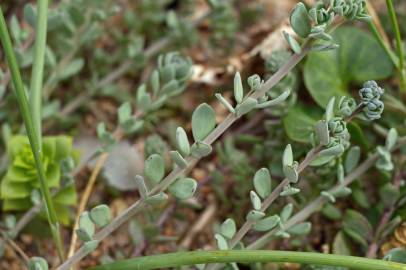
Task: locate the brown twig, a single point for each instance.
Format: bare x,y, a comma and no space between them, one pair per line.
377,22
84,199
16,248
199,225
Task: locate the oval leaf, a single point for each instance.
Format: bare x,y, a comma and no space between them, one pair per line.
154,168
203,121
300,21
183,188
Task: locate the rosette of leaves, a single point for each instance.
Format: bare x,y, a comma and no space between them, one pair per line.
20,187
181,31
169,79
370,95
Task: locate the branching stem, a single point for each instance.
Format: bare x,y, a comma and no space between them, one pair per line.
177,172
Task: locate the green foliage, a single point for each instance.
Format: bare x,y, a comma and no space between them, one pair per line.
359,58
154,168
203,121
223,22
183,188
299,122
21,181
37,263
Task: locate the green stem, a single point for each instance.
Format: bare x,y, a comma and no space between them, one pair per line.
38,66
249,256
381,42
29,125
399,45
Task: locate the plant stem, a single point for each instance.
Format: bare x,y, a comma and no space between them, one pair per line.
399,45
31,131
177,172
249,256
381,42
267,202
317,204
38,67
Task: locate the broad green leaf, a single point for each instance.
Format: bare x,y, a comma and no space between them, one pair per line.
182,142
63,147
20,175
352,158
11,190
321,76
37,263
238,88
389,194
15,144
300,229
100,215
221,242
359,58
286,212
300,21
154,168
203,121
71,69
63,214
255,215
396,255
322,133
53,176
357,135
357,227
90,246
267,223
49,147
294,45
331,211
255,200
178,159
66,196
391,138
340,244
16,204
86,227
228,228
299,123
262,182
183,188
141,186
287,158
200,149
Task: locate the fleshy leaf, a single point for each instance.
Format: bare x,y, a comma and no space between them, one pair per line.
154,168
267,223
203,121
182,141
238,89
100,215
300,21
228,228
183,188
262,182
